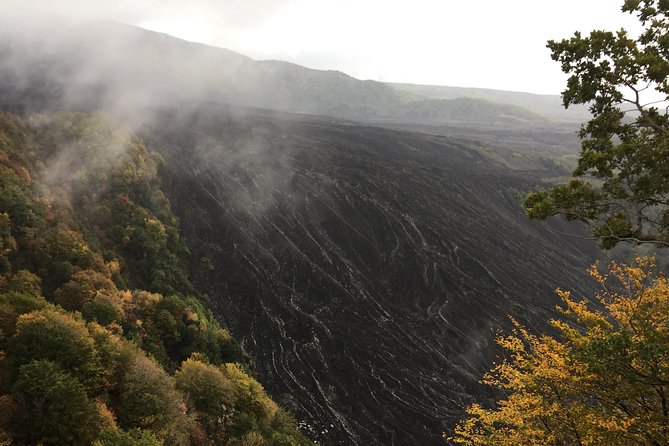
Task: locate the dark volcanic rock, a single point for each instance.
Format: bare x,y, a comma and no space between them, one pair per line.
366,271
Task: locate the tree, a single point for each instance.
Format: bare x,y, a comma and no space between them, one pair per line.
603,381
54,407
7,242
82,288
250,439
24,281
148,400
210,393
117,437
48,334
12,305
622,189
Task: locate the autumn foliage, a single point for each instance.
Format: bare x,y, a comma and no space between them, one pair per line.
603,379
103,339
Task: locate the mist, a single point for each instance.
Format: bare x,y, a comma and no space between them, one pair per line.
486,45
94,63
71,58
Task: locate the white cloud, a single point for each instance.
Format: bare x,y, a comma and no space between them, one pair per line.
484,43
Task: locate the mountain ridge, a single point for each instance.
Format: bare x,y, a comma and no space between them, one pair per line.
98,63
545,104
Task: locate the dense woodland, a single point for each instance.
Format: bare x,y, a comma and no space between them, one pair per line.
103,339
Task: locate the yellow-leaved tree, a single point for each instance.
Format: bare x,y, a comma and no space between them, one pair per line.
603,379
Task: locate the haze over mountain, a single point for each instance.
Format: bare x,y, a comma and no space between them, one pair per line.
365,269
110,64
546,105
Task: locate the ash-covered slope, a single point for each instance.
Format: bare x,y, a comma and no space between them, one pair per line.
366,271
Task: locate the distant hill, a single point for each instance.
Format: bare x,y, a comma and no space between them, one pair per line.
547,105
108,64
466,110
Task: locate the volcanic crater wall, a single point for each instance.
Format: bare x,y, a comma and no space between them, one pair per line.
366,271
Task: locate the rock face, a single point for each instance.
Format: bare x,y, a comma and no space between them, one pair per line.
365,270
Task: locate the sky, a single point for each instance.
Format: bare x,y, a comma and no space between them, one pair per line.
477,43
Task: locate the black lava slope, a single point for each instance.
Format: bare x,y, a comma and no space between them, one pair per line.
365,270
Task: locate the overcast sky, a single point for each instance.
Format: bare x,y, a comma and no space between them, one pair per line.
485,43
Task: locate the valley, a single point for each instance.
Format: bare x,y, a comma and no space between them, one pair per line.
364,242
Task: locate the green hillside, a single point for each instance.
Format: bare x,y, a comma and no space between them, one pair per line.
543,104
103,339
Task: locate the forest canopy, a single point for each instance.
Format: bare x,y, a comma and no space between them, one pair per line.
103,339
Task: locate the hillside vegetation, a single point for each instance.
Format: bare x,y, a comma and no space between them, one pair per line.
103,339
